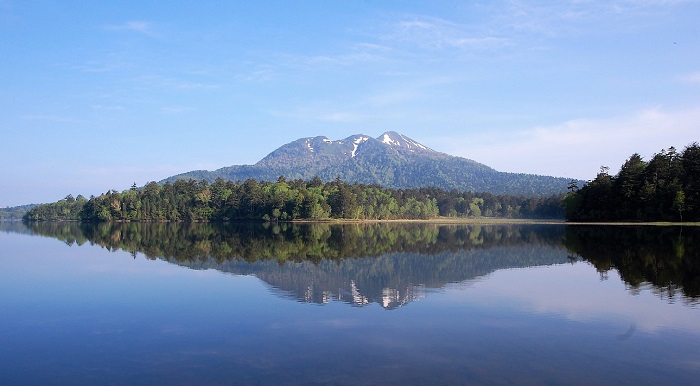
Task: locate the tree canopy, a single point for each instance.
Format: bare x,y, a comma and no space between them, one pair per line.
200,201
666,188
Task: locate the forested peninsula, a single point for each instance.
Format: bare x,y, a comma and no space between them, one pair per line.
666,188
251,200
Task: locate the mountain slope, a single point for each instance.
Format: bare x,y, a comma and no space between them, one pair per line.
391,160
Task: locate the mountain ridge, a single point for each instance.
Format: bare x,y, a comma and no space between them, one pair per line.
392,160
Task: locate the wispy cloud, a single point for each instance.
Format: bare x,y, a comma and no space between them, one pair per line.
639,4
320,113
348,57
183,85
339,116
176,109
381,102
513,18
693,77
107,107
96,66
407,91
435,33
156,81
577,148
256,73
142,27
107,62
51,118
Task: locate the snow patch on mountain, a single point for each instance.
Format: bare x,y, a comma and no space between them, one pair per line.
357,143
386,138
397,140
410,142
308,145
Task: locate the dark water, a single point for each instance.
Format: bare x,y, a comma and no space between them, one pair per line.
351,304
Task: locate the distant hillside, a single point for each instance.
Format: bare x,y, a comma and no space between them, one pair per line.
391,160
15,212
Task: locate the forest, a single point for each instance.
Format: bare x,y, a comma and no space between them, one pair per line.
665,188
251,200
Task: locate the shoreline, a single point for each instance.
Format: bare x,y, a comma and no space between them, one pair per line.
491,221
435,221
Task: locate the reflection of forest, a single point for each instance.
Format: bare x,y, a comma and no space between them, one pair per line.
392,264
666,257
287,242
389,264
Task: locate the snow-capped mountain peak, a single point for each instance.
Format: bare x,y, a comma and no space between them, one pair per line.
396,140
392,160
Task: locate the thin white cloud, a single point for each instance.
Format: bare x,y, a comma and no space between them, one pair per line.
436,33
339,116
108,61
577,148
351,57
515,17
157,81
142,27
369,106
257,73
195,85
51,118
407,91
176,109
692,77
320,113
107,107
392,97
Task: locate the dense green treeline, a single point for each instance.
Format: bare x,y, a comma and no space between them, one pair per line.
666,188
199,201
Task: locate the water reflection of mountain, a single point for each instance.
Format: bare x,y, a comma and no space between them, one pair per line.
388,264
392,279
392,264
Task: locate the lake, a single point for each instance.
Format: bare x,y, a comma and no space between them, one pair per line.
350,304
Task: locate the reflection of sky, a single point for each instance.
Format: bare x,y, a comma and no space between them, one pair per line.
87,315
578,293
49,269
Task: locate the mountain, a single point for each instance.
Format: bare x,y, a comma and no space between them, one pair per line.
391,160
15,213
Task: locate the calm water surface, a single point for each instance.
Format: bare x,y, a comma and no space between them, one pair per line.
351,304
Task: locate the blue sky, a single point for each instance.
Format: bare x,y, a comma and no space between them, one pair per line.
98,95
